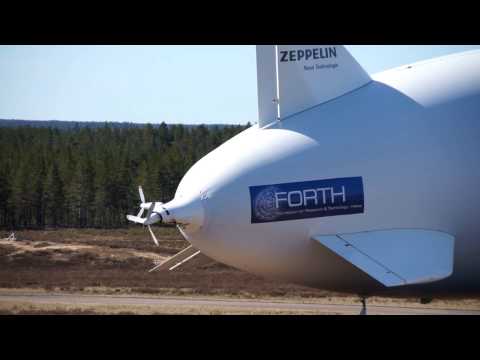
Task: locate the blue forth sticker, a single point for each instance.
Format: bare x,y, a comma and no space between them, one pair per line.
308,199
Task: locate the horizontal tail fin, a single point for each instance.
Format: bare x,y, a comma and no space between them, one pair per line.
396,257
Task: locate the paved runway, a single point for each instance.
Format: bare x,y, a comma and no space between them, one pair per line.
225,304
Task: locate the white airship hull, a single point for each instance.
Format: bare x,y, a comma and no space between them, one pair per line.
413,137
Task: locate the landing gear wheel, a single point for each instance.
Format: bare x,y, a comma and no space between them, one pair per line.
364,306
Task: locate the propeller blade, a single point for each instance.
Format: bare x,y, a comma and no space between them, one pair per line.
135,219
153,235
142,197
140,213
182,232
150,210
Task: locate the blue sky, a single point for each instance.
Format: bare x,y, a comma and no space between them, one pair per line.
175,84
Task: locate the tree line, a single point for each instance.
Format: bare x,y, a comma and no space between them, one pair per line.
89,177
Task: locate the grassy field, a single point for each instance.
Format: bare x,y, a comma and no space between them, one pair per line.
59,309
116,262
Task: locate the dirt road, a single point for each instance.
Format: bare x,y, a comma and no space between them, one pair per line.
194,305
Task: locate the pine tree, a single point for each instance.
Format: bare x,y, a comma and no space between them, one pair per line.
88,191
5,193
126,194
38,201
54,197
23,194
74,197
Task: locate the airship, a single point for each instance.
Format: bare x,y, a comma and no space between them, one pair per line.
356,183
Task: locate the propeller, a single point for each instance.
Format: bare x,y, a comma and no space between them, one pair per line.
150,218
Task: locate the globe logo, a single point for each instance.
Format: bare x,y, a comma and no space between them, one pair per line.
264,205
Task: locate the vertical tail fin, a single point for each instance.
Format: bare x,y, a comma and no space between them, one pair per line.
267,84
293,78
